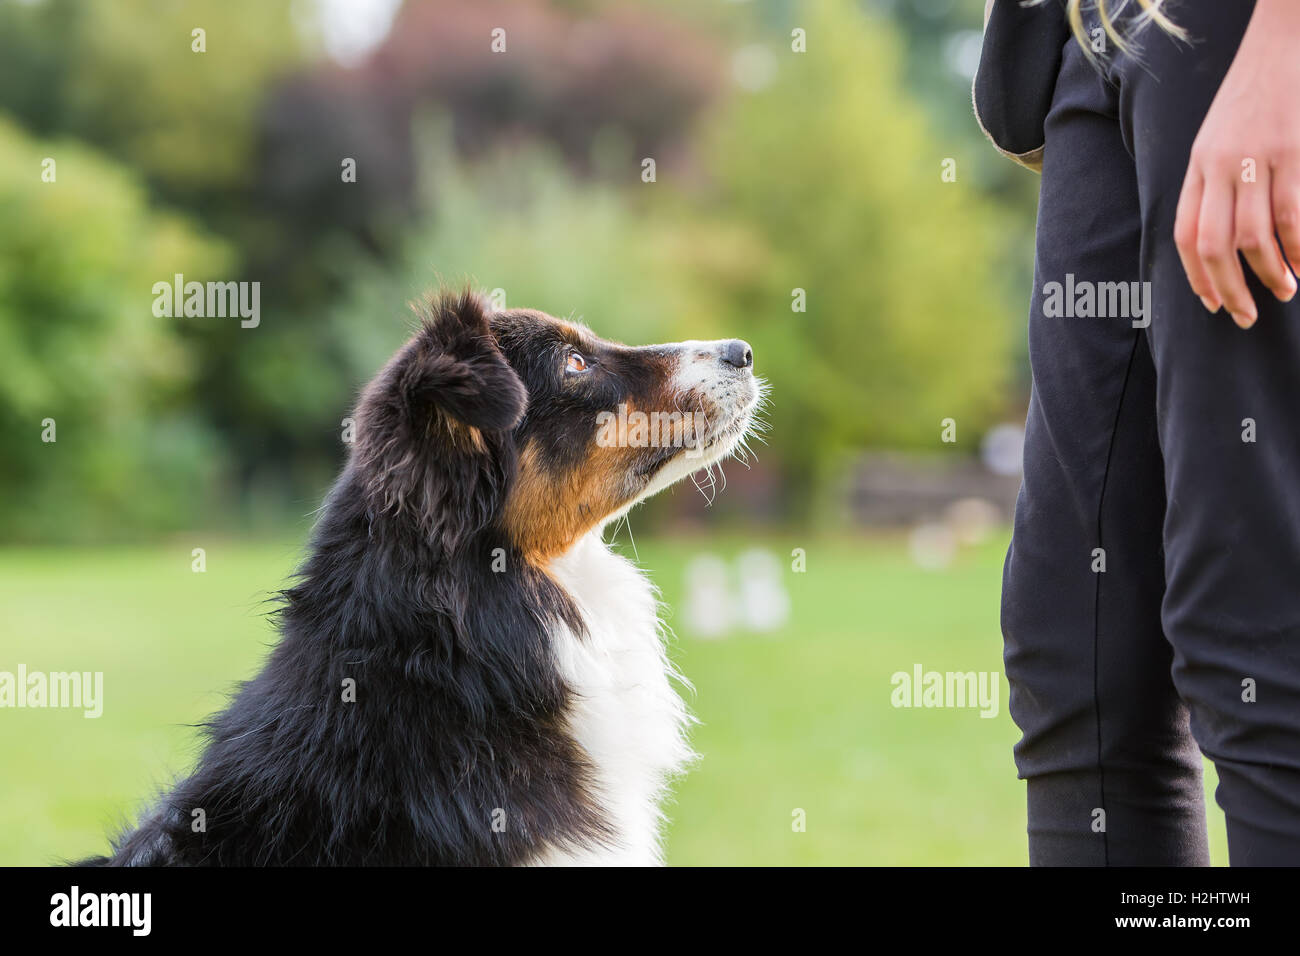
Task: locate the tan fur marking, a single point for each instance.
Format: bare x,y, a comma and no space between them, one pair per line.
465,436
547,513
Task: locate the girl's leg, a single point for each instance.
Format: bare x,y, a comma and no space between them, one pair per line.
1113,775
1228,411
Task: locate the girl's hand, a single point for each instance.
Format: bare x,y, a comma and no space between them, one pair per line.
1243,180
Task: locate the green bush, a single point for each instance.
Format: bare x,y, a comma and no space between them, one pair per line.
520,223
834,170
79,344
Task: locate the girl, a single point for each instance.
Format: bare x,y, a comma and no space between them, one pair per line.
1151,599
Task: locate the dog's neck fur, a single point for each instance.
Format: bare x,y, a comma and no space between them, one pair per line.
623,710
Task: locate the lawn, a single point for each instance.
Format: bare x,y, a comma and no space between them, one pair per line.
796,726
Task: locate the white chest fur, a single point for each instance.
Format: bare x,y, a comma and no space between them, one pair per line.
625,712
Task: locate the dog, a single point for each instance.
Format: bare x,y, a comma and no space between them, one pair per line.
466,674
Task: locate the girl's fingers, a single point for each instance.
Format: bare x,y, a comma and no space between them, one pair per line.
1286,208
1254,236
1216,247
1186,228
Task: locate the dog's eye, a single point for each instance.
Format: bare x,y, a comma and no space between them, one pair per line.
575,362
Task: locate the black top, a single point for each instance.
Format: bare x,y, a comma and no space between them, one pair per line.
1017,73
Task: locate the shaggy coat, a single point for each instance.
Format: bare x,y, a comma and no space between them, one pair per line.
420,706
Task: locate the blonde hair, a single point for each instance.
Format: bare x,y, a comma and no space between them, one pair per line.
1107,11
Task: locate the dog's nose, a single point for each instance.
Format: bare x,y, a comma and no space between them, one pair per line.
738,353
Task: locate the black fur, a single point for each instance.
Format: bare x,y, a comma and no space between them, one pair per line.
459,714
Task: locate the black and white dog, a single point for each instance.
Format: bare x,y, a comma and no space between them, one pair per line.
466,674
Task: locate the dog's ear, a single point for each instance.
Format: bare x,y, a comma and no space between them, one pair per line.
455,366
433,441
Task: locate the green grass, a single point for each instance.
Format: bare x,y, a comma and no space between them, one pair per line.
799,719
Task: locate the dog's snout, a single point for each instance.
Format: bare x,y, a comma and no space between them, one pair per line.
738,353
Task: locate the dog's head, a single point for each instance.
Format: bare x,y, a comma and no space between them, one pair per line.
538,428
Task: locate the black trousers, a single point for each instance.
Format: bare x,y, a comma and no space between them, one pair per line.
1151,601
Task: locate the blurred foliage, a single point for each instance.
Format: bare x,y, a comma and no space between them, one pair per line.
124,76
517,171
565,75
836,169
79,344
521,223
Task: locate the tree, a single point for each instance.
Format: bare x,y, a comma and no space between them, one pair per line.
834,169
83,359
